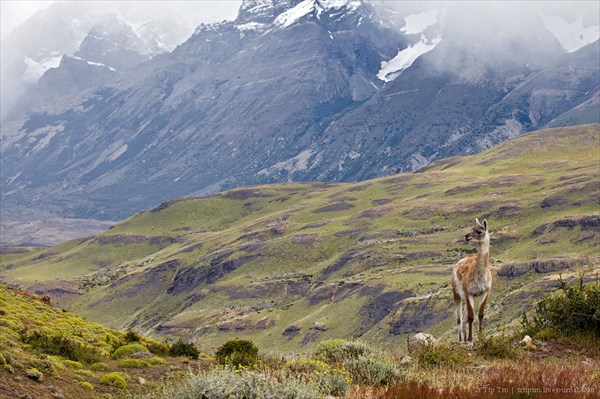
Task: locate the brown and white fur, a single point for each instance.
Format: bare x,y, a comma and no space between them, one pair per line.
471,277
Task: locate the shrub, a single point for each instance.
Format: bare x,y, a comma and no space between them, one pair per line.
568,310
370,371
87,385
237,352
497,347
72,364
60,345
180,348
45,365
131,336
114,379
2,360
440,356
134,363
220,383
340,350
99,367
34,374
154,361
158,348
365,365
84,373
330,381
129,349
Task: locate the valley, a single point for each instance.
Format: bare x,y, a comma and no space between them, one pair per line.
290,265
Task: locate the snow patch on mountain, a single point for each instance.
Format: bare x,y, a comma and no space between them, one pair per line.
294,14
36,69
571,35
417,23
94,63
391,69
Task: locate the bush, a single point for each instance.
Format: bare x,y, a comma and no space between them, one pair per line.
134,363
440,356
237,352
498,347
84,373
330,381
339,350
87,385
568,310
114,380
99,367
180,348
129,349
220,383
60,345
131,336
45,365
364,364
158,348
154,361
72,364
370,371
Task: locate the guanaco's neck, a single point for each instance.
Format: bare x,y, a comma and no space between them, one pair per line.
483,254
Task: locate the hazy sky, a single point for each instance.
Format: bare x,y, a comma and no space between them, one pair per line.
15,12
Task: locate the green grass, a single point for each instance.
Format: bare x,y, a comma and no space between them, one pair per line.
304,263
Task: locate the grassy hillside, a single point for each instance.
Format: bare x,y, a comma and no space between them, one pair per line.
289,265
47,352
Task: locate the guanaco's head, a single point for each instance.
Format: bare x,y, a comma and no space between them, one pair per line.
480,233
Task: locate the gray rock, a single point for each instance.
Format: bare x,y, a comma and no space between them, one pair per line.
420,341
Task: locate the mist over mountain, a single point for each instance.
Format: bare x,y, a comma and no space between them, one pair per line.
292,91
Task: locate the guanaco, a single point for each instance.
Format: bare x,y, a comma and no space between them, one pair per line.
471,277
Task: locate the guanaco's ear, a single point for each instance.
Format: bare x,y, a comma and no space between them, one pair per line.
477,222
485,224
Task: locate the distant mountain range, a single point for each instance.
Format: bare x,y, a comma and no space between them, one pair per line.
291,90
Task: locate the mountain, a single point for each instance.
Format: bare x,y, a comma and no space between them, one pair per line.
39,44
288,265
291,90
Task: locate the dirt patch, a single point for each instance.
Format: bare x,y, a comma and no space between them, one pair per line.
291,332
315,224
338,206
244,194
360,187
373,213
308,240
190,277
586,222
313,334
14,250
190,248
377,308
352,233
127,239
382,201
44,255
418,316
333,292
514,270
507,211
279,289
345,259
245,324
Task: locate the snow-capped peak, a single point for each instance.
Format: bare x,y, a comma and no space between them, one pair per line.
305,7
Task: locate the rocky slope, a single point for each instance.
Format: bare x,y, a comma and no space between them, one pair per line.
290,264
289,91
